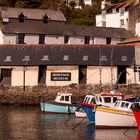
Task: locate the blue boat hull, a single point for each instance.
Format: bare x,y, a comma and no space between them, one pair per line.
57,108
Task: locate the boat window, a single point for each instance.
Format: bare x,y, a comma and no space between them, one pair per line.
126,105
97,99
66,98
131,106
93,101
62,98
107,99
117,104
122,104
85,99
100,99
115,99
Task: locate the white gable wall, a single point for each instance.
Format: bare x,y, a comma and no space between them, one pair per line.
31,76
93,74
54,39
76,40
31,39
1,37
113,20
100,40
137,29
10,39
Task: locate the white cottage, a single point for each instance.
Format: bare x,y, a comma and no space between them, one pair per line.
22,26
120,15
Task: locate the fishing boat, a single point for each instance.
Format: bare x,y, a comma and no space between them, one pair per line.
105,99
61,105
136,111
119,116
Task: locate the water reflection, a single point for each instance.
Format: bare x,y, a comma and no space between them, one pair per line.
28,123
52,117
138,135
90,131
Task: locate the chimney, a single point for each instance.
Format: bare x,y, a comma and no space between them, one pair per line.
105,3
137,2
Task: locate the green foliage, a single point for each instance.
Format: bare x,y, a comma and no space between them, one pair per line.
84,16
33,3
116,1
20,4
50,4
82,21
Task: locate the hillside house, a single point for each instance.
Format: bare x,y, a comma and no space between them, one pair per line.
120,15
22,26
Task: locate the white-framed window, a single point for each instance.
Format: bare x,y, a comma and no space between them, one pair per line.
103,23
114,10
121,11
124,58
103,14
139,75
103,58
121,22
85,58
66,57
45,58
8,59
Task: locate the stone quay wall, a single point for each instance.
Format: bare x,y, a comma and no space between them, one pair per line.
34,95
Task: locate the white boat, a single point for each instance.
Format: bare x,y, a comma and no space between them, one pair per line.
119,116
62,104
105,99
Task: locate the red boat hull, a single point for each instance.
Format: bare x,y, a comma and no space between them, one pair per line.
137,117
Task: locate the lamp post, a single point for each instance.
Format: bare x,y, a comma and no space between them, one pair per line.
26,59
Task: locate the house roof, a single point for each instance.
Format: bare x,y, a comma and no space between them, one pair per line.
127,5
60,28
131,40
94,55
9,12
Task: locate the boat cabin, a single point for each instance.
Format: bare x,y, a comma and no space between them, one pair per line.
123,105
106,99
63,98
89,99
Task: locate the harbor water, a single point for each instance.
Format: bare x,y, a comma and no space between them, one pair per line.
28,123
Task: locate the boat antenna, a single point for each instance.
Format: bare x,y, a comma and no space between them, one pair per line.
111,63
100,69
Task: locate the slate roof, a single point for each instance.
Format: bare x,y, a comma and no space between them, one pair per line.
131,40
9,12
129,4
95,55
60,28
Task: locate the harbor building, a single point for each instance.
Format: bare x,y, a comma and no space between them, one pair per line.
60,65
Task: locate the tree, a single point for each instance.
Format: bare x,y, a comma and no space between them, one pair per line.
5,3
50,4
33,3
72,4
20,4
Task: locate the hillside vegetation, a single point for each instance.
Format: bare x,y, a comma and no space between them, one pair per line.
84,16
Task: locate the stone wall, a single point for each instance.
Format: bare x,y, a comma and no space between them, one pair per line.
34,95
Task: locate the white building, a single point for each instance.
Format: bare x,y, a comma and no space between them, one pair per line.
60,65
120,15
22,26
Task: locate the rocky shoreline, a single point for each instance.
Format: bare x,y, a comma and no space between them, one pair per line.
34,95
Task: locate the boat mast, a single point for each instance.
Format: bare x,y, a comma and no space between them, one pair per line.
111,61
100,69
